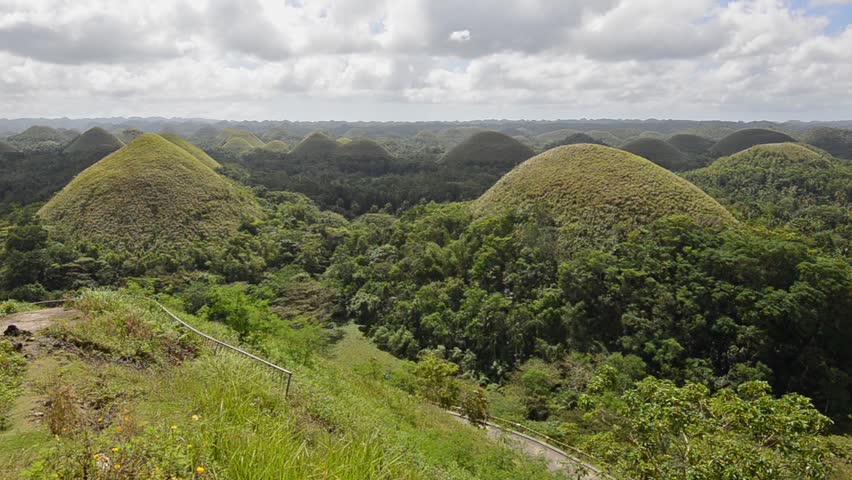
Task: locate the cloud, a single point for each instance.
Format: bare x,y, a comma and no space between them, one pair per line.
460,36
409,58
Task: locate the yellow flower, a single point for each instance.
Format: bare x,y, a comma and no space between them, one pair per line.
189,446
117,466
174,427
195,418
200,469
126,419
115,449
100,419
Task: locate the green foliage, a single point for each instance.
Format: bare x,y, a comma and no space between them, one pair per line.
230,134
277,146
437,380
664,431
315,146
150,195
41,138
236,146
691,144
747,138
12,365
196,152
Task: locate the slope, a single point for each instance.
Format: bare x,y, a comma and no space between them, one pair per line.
150,193
192,150
659,152
94,140
835,141
488,149
749,137
599,185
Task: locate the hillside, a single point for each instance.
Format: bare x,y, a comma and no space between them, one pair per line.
94,140
192,150
599,185
659,152
488,149
230,134
149,194
691,144
39,133
362,149
782,183
573,139
277,146
236,146
6,148
315,145
749,137
127,390
835,141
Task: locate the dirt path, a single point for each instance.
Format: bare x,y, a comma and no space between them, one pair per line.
557,460
38,319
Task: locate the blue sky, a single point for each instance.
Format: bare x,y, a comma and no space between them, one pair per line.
839,15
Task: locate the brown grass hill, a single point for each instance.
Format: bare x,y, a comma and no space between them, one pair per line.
599,192
574,139
747,138
6,148
192,150
233,133
94,141
659,152
151,194
277,146
782,182
489,150
691,144
836,141
315,146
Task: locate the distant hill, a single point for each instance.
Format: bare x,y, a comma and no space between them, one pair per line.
233,133
149,194
602,188
236,146
492,150
128,134
362,149
781,182
835,141
6,148
277,146
659,152
39,137
691,144
315,145
94,140
192,150
744,139
574,139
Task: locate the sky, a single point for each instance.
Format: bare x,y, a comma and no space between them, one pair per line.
427,59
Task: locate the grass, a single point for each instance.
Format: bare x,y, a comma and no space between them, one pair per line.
192,150
488,149
149,193
362,149
237,146
94,140
593,184
209,415
657,151
747,138
315,145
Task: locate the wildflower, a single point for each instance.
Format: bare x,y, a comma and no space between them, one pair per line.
174,427
126,419
117,466
115,449
199,469
100,419
195,418
189,446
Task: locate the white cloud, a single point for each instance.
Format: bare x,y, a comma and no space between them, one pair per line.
460,36
317,58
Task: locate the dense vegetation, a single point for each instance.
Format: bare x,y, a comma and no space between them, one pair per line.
743,139
589,294
660,152
95,140
836,141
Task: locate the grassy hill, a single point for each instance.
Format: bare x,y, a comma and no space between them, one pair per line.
362,149
236,146
488,149
233,133
573,139
599,185
192,150
40,133
659,152
835,141
691,144
747,138
128,134
149,194
315,145
781,183
277,146
94,140
126,389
